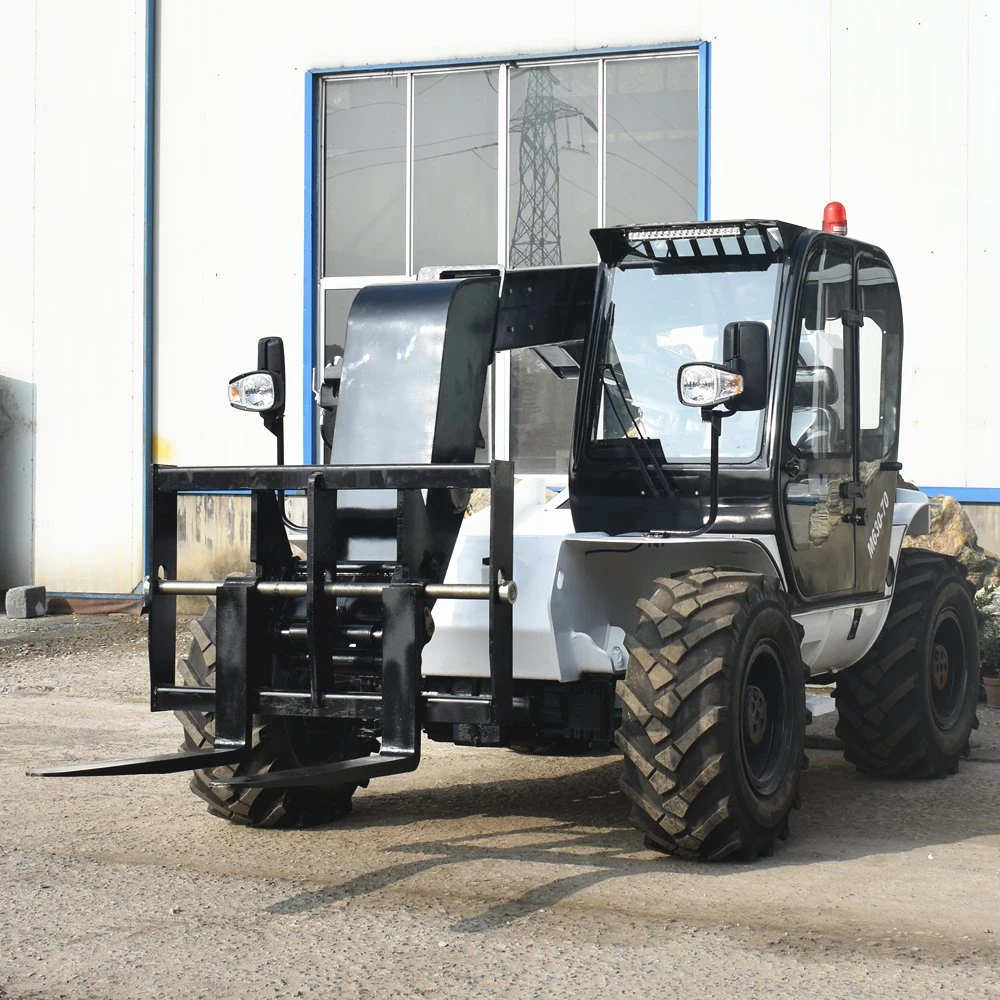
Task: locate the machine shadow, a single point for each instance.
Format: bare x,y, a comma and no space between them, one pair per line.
583,823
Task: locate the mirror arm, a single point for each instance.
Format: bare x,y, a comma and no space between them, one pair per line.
712,416
277,428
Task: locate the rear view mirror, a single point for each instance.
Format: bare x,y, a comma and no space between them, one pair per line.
263,391
744,347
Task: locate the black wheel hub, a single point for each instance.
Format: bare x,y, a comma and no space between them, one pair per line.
754,714
765,723
939,667
947,673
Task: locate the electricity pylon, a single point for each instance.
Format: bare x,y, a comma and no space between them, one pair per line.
536,240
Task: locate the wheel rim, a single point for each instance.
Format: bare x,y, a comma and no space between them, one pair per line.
946,664
765,727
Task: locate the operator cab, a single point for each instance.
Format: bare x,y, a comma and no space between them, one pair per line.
806,446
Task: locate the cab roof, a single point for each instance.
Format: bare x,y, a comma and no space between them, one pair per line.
698,245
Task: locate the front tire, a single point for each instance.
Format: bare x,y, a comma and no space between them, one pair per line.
713,715
907,708
277,743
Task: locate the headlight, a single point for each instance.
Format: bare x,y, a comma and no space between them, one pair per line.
257,391
707,385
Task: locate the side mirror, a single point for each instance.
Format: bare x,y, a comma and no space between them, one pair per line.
263,391
271,359
744,346
740,383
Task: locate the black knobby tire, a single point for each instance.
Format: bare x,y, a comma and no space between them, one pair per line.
907,708
713,715
278,743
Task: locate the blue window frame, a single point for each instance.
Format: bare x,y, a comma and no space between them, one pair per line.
635,118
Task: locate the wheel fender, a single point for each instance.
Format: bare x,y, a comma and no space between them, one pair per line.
911,516
912,512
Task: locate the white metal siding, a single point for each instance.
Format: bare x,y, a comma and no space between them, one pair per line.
17,411
76,276
890,108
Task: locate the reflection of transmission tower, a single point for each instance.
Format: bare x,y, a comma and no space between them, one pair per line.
536,240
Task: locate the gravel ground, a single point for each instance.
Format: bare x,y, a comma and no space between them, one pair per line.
482,874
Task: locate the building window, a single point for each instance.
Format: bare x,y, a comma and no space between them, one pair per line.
455,168
509,163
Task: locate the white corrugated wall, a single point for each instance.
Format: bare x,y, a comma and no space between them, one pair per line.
890,108
71,302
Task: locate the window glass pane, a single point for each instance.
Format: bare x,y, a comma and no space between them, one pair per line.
337,304
819,425
870,376
364,176
552,197
552,206
541,415
455,168
652,140
879,358
664,321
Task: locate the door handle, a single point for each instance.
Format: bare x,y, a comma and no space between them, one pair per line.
859,517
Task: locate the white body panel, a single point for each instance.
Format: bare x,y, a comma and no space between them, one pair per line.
577,592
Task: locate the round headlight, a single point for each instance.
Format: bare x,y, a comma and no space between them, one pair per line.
707,385
253,391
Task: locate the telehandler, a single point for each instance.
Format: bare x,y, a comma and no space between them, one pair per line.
733,475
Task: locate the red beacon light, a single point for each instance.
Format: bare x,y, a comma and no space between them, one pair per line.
835,219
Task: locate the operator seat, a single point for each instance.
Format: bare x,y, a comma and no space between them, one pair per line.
816,426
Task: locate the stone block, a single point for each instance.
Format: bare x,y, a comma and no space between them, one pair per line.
25,602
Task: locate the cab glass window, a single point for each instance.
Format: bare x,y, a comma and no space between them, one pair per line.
818,426
879,359
661,321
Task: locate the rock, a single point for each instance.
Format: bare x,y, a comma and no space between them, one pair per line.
952,534
480,501
26,602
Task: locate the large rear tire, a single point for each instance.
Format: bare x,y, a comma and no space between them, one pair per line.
713,715
907,708
278,742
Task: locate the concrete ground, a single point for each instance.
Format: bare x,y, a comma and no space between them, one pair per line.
483,874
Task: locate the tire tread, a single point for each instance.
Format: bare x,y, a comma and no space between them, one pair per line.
881,719
263,807
677,771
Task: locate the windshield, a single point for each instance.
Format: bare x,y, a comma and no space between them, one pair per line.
660,322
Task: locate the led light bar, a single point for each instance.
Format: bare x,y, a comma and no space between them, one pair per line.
691,233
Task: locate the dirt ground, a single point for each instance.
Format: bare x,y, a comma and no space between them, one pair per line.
483,874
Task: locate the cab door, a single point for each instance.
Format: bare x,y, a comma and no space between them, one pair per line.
818,453
878,336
